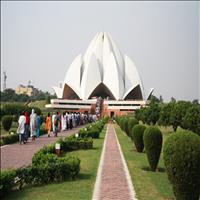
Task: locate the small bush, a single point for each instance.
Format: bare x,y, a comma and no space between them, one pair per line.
93,130
121,122
10,139
153,144
137,136
131,123
72,143
42,158
124,125
181,155
48,168
7,179
7,122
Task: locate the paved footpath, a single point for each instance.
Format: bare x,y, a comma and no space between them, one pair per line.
113,180
16,155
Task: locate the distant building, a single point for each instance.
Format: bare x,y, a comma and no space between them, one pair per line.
29,90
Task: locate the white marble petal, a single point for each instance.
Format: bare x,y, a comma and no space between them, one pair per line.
91,77
132,78
112,78
73,75
58,91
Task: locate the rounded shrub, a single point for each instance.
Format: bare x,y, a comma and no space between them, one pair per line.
125,125
7,179
7,122
181,155
153,144
137,136
121,122
131,123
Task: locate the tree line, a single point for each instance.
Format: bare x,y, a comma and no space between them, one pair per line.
182,114
9,95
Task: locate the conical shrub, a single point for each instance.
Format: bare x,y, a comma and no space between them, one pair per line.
153,144
181,155
137,136
131,123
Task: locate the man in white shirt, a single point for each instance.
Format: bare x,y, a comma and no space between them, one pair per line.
21,127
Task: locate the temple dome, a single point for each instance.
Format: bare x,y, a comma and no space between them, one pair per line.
102,71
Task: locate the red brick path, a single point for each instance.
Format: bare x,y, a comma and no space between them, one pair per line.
16,155
113,181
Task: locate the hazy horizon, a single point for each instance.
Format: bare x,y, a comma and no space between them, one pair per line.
39,40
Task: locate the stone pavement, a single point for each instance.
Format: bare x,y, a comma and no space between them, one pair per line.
16,155
113,179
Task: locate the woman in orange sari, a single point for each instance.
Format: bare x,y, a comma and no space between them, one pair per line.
48,124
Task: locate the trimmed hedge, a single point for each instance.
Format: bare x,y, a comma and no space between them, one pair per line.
7,122
7,181
10,139
137,136
50,168
93,130
72,143
13,138
125,125
153,144
131,123
182,160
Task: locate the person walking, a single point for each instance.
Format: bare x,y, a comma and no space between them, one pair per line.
38,122
70,121
48,124
21,127
63,121
27,126
55,122
33,124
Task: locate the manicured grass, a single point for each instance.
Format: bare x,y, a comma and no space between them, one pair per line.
80,189
148,185
40,104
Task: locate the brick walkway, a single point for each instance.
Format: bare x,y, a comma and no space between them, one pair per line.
16,155
113,179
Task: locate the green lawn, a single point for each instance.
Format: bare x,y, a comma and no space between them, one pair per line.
40,104
148,185
81,188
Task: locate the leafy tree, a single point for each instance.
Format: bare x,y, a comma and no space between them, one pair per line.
178,112
191,120
9,95
161,99
195,101
173,99
165,114
48,99
154,99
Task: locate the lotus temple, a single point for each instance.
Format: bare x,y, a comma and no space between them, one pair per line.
102,81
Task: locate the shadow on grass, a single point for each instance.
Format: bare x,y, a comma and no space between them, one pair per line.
159,169
134,150
84,176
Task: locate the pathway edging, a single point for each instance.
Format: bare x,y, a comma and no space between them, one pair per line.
99,172
128,177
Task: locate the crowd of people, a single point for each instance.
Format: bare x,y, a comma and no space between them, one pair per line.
29,125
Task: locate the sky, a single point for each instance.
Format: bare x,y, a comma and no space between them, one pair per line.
40,39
